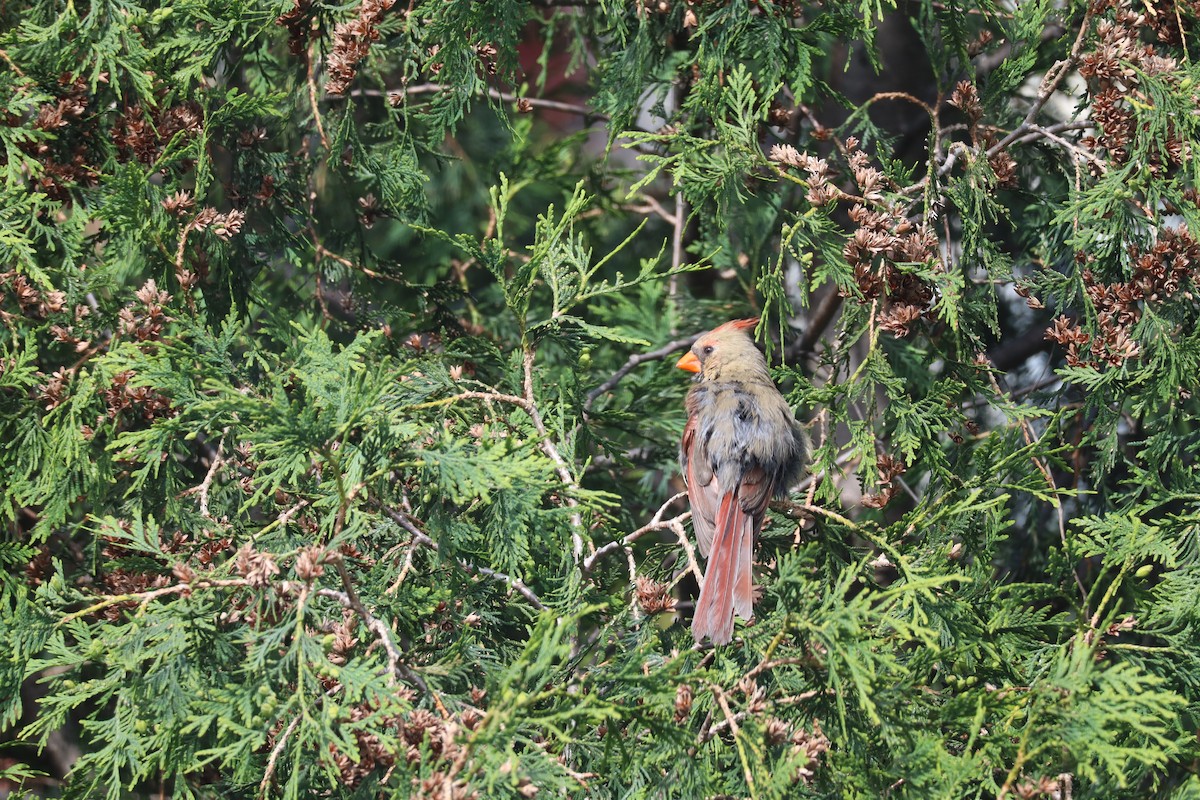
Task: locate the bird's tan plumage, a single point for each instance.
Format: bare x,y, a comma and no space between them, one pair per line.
741,446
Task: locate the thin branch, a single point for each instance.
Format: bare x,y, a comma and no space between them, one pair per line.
1025,133
1014,394
1043,467
1071,147
12,64
320,251
631,565
686,544
1048,86
420,537
206,484
372,622
274,757
1058,127
651,206
404,570
781,662
588,114
349,599
1028,130
632,363
560,464
284,518
188,228
990,14
792,508
529,405
952,152
708,733
143,598
1012,352
312,97
288,513
681,215
845,458
905,96
818,322
907,489
719,694
489,396
821,129
656,523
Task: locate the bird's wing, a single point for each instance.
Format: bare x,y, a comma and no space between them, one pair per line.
701,485
754,494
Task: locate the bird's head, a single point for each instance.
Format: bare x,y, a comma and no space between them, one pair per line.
726,352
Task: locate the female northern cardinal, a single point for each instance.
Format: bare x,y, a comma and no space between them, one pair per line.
741,446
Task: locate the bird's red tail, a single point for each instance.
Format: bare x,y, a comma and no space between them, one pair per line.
728,580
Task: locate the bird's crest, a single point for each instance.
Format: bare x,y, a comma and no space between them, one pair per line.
737,325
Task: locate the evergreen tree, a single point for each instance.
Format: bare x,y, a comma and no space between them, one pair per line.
339,420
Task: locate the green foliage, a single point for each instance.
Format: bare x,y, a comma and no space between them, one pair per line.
339,429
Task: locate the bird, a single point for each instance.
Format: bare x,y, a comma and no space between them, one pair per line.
741,446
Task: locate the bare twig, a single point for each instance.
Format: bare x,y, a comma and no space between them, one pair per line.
288,513
656,523
471,395
1070,147
312,97
1058,127
631,565
1025,133
404,570
791,700
528,404
420,537
781,662
188,228
144,598
820,129
1043,467
686,544
1048,86
677,243
633,362
652,206
274,757
847,457
206,484
373,623
719,695
12,64
320,251
904,96
589,115
349,599
818,321
560,465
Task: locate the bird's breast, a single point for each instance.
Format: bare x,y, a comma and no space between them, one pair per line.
741,427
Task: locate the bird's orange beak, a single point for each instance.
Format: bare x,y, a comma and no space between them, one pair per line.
689,362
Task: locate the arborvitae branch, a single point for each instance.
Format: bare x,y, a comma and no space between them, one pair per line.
515,584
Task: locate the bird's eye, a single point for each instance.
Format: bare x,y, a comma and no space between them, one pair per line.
707,350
